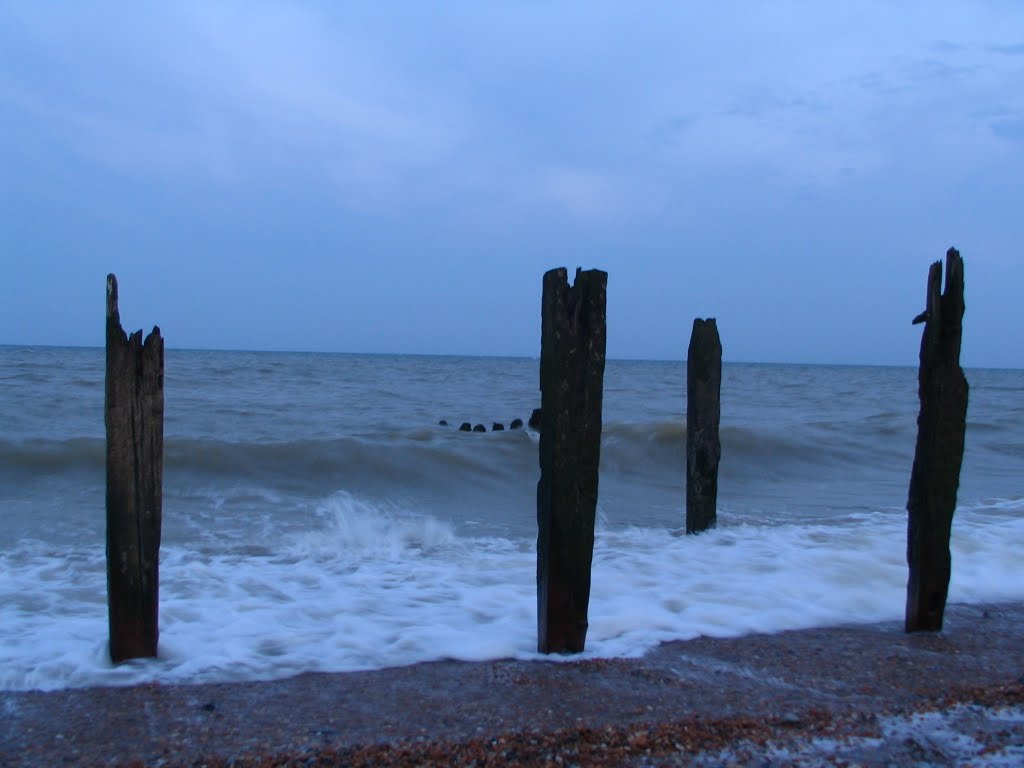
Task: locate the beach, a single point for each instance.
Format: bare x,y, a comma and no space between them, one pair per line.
789,698
344,580
318,518
511,385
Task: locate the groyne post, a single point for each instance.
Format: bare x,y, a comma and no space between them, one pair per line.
572,360
134,418
703,413
941,425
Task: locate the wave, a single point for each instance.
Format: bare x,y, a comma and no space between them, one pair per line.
415,458
372,587
428,455
53,456
664,443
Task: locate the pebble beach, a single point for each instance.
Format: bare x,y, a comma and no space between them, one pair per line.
861,694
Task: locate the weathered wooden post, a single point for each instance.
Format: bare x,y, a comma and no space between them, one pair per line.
941,424
572,354
134,417
703,413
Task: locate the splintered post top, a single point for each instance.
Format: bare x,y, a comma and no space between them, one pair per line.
112,297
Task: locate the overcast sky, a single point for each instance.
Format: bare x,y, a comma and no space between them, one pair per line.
396,177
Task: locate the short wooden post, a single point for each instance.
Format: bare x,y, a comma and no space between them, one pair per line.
134,417
571,383
941,425
703,413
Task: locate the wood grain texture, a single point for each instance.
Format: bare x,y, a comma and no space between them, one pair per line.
134,417
941,426
703,414
572,362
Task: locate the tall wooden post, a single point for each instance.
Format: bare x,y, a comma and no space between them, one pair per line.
572,356
703,413
134,417
941,424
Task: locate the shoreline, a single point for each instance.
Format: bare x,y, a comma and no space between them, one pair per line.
681,700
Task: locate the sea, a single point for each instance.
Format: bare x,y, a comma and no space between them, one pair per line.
318,516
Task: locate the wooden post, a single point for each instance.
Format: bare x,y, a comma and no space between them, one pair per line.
572,354
941,424
703,412
134,417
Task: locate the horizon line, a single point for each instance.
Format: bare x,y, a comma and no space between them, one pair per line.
623,359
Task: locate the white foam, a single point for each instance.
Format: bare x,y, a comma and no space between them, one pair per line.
372,588
962,735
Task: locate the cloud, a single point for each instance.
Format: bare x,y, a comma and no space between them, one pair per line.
1010,128
581,193
764,101
501,109
1015,49
946,47
208,93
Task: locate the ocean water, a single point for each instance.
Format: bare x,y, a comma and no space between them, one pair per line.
317,516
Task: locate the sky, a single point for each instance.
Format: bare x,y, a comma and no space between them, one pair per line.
397,177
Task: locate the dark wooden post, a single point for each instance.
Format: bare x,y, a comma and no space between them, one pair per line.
703,412
134,416
572,354
941,424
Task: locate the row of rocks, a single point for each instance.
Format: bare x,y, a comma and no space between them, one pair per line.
497,426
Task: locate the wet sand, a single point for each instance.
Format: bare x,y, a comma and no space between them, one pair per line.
792,698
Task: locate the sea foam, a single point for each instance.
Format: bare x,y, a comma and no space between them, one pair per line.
375,585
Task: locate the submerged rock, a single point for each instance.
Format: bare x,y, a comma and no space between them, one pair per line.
479,428
535,418
443,423
497,427
465,427
516,424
